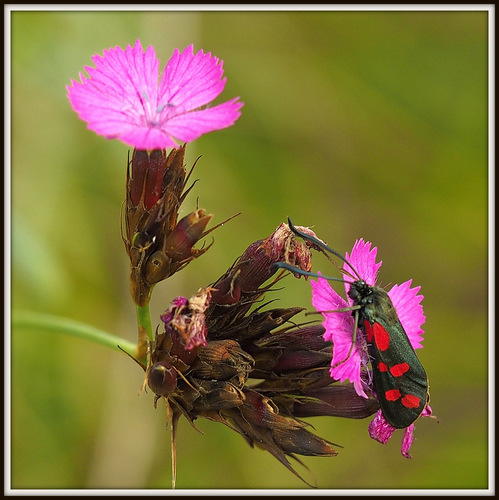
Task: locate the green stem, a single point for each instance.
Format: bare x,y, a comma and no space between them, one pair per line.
57,324
144,320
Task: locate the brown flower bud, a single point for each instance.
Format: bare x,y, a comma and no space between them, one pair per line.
157,244
223,360
260,423
188,231
291,349
216,395
308,336
148,170
334,401
251,270
256,265
155,183
283,246
162,379
177,249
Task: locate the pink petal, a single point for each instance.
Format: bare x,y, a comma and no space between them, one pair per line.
339,328
363,260
191,81
148,138
190,126
379,429
408,436
407,440
410,311
120,91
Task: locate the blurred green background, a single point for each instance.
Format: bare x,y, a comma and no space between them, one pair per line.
360,124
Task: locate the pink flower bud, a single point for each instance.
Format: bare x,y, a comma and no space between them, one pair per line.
187,232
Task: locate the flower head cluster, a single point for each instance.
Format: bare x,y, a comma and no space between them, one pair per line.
352,362
215,341
123,97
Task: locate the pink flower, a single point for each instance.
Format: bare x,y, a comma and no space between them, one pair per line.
123,99
381,431
339,325
351,363
339,329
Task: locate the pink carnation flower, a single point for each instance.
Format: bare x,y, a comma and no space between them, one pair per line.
352,363
123,98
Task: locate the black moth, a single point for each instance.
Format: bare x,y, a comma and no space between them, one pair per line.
400,380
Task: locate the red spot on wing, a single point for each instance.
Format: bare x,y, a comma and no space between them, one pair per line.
410,401
381,337
382,367
392,395
369,331
399,369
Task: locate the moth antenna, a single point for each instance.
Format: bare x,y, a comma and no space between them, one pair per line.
321,245
293,269
343,309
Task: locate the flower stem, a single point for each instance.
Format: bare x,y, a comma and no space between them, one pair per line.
145,330
57,324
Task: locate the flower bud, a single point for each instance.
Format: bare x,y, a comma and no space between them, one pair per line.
188,231
256,265
148,169
162,379
334,401
288,434
223,360
154,181
157,244
251,270
215,395
283,246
